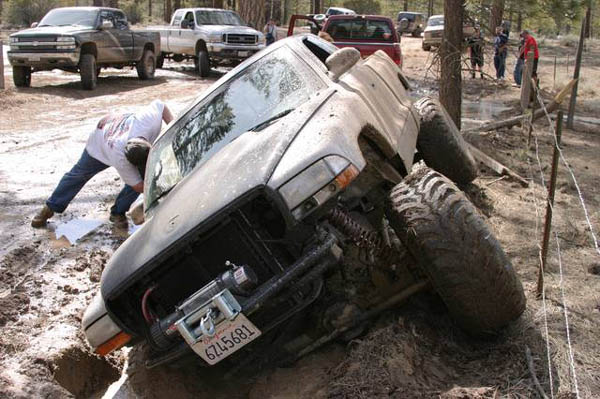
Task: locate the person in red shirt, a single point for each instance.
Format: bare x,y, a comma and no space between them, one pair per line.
531,45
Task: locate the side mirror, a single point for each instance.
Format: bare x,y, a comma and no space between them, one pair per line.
184,24
106,24
34,24
341,61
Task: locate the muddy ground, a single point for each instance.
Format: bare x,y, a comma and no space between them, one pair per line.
414,351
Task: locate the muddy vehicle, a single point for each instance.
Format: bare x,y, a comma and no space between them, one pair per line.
84,40
283,210
411,22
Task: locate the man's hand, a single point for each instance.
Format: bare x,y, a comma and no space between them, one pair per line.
138,188
167,115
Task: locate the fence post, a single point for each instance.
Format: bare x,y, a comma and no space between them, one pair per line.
550,204
573,99
1,66
526,82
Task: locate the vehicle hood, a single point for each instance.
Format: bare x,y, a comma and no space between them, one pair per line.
434,28
245,30
242,166
52,30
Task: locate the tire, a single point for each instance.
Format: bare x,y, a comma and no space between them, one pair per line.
22,76
146,66
87,71
441,144
202,62
457,251
403,24
426,47
160,61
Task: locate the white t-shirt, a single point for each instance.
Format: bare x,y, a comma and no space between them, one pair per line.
107,142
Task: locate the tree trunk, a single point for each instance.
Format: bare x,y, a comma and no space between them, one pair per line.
405,5
97,3
520,21
429,8
253,12
112,3
168,11
588,21
450,59
149,8
176,5
496,14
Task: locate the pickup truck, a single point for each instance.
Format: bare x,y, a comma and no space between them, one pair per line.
209,36
432,36
84,40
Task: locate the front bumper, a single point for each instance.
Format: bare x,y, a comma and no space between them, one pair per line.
44,60
432,41
228,51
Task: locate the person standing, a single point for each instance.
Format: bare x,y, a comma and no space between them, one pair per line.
475,44
518,73
270,31
531,45
500,51
122,141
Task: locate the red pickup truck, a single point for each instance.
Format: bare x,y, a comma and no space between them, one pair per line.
366,33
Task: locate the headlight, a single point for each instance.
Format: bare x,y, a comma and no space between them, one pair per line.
262,39
69,39
316,184
215,38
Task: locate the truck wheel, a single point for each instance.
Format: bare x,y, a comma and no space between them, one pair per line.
87,71
202,63
22,76
441,144
457,251
146,66
426,47
160,60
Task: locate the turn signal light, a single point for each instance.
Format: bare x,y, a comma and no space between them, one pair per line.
113,344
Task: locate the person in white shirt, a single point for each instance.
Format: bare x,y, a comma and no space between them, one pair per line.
121,141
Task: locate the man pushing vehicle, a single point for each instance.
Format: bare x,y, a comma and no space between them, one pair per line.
122,141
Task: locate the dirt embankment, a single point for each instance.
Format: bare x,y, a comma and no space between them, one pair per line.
413,352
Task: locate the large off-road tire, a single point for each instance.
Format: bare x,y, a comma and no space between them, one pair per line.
202,63
457,251
441,144
146,66
22,76
87,71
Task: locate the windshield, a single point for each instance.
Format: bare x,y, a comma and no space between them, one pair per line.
363,29
435,21
218,18
69,16
267,90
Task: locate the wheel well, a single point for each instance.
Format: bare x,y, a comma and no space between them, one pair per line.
149,46
89,48
201,45
371,141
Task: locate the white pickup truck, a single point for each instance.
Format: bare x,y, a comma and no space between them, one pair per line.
210,36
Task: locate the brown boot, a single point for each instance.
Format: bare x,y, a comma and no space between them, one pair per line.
42,216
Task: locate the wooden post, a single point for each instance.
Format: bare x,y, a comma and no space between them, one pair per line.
573,100
1,67
549,205
554,77
526,82
534,91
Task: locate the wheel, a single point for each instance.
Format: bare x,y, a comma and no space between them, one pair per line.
22,76
160,60
426,47
457,251
87,71
202,63
403,24
441,144
146,66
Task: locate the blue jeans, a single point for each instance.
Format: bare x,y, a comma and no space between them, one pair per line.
518,73
74,180
500,64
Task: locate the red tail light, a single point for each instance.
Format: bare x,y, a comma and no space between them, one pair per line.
397,54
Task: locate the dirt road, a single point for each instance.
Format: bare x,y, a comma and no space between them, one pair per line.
46,281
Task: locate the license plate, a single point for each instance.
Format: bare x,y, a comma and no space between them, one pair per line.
243,53
33,58
229,337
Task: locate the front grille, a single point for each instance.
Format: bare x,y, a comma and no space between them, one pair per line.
240,39
38,48
37,39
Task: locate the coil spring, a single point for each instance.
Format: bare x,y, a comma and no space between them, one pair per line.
370,242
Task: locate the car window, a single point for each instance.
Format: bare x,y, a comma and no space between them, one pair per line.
107,16
410,17
274,85
437,21
177,18
120,20
362,29
320,48
189,17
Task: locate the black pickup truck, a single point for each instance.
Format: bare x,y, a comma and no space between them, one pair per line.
84,40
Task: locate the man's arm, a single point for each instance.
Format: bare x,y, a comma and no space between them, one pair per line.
138,188
167,116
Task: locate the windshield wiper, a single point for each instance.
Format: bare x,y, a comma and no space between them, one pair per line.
269,121
39,26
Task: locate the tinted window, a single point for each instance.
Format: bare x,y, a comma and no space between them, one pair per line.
70,16
360,29
273,85
218,18
121,20
410,17
435,21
